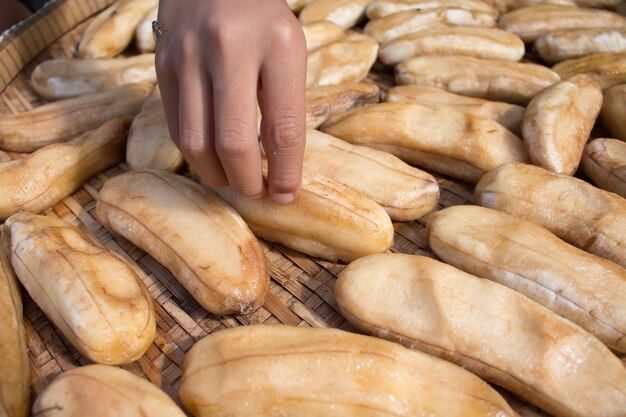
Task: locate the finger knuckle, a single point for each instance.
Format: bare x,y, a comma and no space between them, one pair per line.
286,181
232,142
286,34
191,141
287,133
249,190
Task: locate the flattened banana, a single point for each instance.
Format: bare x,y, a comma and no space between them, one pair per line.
574,210
508,115
609,68
322,102
513,82
486,43
562,45
613,111
343,13
531,22
382,8
403,23
439,138
558,121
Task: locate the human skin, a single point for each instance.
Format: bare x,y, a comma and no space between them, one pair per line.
214,59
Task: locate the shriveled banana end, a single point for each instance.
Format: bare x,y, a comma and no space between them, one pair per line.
558,121
103,391
604,161
265,371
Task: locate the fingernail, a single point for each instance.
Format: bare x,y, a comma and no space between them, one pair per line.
283,198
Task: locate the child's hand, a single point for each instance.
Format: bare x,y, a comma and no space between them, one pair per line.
213,59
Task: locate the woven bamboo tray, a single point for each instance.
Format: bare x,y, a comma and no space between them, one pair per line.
301,291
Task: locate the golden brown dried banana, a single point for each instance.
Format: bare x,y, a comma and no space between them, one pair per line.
318,34
574,210
61,120
558,121
403,23
613,111
279,370
50,174
94,297
531,22
439,138
382,8
347,60
513,82
322,102
200,239
489,329
508,115
149,144
327,220
609,68
344,61
586,289
406,193
562,45
144,34
486,43
103,391
343,13
64,78
507,5
113,29
14,366
604,161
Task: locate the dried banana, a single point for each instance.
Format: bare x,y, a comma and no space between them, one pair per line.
50,174
343,13
586,289
113,29
322,102
94,297
61,120
562,45
558,121
486,43
613,111
200,239
439,138
406,193
508,115
531,22
279,370
609,68
574,210
14,366
507,5
103,391
403,23
318,34
489,329
513,82
344,61
149,143
382,8
327,220
604,161
65,78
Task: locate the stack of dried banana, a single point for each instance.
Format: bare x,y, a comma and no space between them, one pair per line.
537,304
